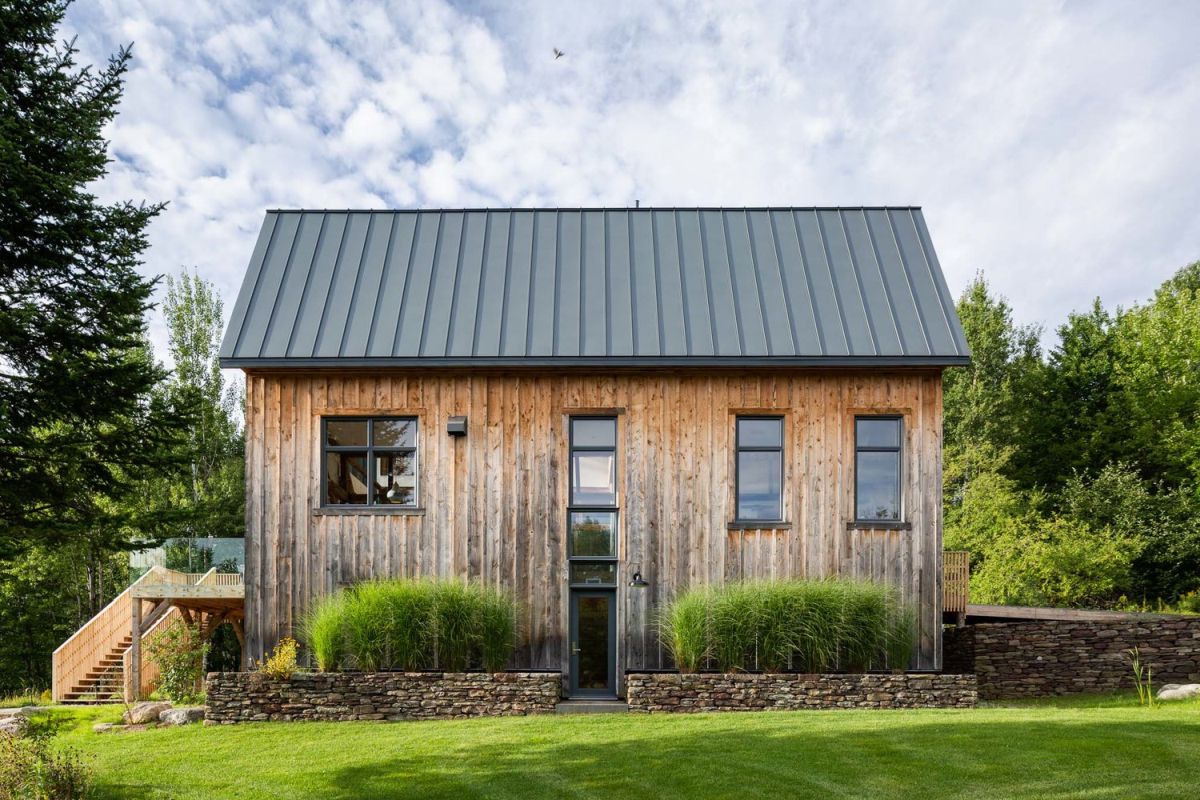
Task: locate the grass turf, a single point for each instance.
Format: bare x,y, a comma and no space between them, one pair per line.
1100,747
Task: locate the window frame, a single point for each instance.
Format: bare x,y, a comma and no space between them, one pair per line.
574,508
898,449
738,449
370,449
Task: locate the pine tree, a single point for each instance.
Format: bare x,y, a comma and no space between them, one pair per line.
77,421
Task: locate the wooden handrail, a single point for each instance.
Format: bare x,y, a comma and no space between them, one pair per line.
77,655
956,581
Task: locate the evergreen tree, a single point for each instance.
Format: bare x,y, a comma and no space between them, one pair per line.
76,416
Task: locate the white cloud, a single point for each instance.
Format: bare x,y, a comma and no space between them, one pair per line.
1052,146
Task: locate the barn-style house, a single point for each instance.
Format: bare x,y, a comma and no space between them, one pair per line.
595,408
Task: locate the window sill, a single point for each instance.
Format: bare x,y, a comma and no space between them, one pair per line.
878,525
758,525
362,511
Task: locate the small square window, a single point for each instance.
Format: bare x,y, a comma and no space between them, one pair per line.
370,462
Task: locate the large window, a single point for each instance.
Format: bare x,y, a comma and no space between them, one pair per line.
759,469
592,516
370,461
877,468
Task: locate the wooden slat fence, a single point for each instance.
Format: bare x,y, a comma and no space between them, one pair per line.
956,578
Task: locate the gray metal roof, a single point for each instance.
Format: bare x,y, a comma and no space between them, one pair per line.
802,286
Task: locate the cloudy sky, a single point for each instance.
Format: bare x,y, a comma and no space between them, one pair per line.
1055,146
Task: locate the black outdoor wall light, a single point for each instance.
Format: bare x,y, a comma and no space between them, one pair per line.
457,426
638,581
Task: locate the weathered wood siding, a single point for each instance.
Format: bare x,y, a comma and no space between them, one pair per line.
494,502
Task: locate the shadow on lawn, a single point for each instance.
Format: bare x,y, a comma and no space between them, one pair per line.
952,757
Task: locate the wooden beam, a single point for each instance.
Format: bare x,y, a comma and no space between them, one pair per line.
214,622
134,685
240,633
187,615
982,613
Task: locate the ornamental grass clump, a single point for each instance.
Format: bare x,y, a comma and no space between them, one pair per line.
323,630
802,625
413,625
685,630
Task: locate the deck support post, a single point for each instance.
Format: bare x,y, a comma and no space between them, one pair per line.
134,680
240,633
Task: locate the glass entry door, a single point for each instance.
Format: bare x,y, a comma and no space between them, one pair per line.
593,643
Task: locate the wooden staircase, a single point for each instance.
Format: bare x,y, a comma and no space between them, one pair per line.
89,667
105,681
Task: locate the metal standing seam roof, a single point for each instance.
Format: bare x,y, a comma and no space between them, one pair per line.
616,287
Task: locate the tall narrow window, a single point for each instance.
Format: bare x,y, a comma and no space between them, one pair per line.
759,476
877,468
370,461
592,516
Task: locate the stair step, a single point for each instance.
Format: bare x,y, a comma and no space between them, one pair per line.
591,707
68,701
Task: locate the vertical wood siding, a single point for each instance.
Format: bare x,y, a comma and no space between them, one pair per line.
494,502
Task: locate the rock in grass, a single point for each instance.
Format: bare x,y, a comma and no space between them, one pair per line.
145,712
104,727
181,716
1176,691
23,711
14,725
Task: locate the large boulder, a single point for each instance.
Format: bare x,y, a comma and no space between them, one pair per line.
181,716
1179,691
145,712
13,725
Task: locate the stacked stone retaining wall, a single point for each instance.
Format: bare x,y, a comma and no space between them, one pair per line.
329,696
672,692
1053,657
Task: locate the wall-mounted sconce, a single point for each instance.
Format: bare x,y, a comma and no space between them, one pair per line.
457,426
638,581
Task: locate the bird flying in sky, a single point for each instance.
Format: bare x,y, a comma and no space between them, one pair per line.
558,54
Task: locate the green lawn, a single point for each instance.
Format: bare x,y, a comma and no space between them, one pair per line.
1092,748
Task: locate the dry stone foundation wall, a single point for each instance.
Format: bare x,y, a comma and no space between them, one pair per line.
672,692
1050,657
334,696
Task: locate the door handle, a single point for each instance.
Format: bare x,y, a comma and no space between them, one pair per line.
574,648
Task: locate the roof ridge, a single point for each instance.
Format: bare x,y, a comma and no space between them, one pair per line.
501,209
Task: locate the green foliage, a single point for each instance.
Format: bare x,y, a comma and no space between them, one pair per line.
1143,677
1086,492
814,626
413,625
1054,562
178,649
32,768
78,420
281,664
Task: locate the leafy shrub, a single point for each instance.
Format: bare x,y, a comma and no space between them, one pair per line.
413,625
281,665
178,649
32,769
814,626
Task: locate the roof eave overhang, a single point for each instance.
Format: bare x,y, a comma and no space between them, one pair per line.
341,362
